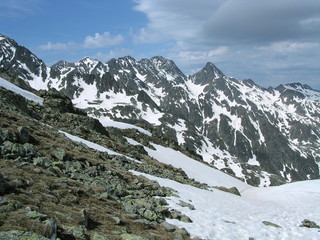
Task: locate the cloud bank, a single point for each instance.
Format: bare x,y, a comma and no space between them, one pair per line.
269,41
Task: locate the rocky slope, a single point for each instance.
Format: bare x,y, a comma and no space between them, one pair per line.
262,136
52,186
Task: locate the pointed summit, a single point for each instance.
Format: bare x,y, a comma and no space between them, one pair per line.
207,74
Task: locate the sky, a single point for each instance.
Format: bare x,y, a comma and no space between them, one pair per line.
270,42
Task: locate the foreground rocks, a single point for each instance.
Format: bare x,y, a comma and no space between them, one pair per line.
54,188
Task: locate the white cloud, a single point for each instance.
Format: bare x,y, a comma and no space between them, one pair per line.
57,46
199,56
102,40
218,51
97,41
247,38
232,21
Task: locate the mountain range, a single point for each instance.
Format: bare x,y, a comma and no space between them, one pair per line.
261,136
138,150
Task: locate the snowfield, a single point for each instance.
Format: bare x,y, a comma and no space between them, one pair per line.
219,215
223,216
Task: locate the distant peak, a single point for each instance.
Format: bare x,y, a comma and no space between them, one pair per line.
250,83
298,86
61,63
210,69
88,60
207,74
127,58
160,59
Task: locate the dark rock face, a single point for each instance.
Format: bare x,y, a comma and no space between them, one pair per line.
259,135
20,61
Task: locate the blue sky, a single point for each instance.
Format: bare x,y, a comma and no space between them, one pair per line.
271,42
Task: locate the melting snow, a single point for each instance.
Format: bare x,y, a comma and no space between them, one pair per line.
107,122
194,169
26,94
94,145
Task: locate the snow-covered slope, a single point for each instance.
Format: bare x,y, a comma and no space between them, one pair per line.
221,215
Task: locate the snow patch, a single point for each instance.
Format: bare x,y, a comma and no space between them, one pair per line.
193,168
107,122
94,145
253,161
26,94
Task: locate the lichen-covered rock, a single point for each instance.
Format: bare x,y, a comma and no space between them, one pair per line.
127,236
37,215
10,150
267,223
309,224
42,161
169,227
77,232
84,218
185,204
21,235
59,153
232,190
99,236
174,214
51,228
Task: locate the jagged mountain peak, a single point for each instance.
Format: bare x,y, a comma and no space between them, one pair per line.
164,63
211,68
88,60
22,62
160,60
61,63
207,74
10,40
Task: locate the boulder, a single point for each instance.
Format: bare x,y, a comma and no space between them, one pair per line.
24,136
3,184
77,232
309,224
99,236
59,153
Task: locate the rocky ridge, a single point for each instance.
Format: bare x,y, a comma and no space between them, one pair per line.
52,187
